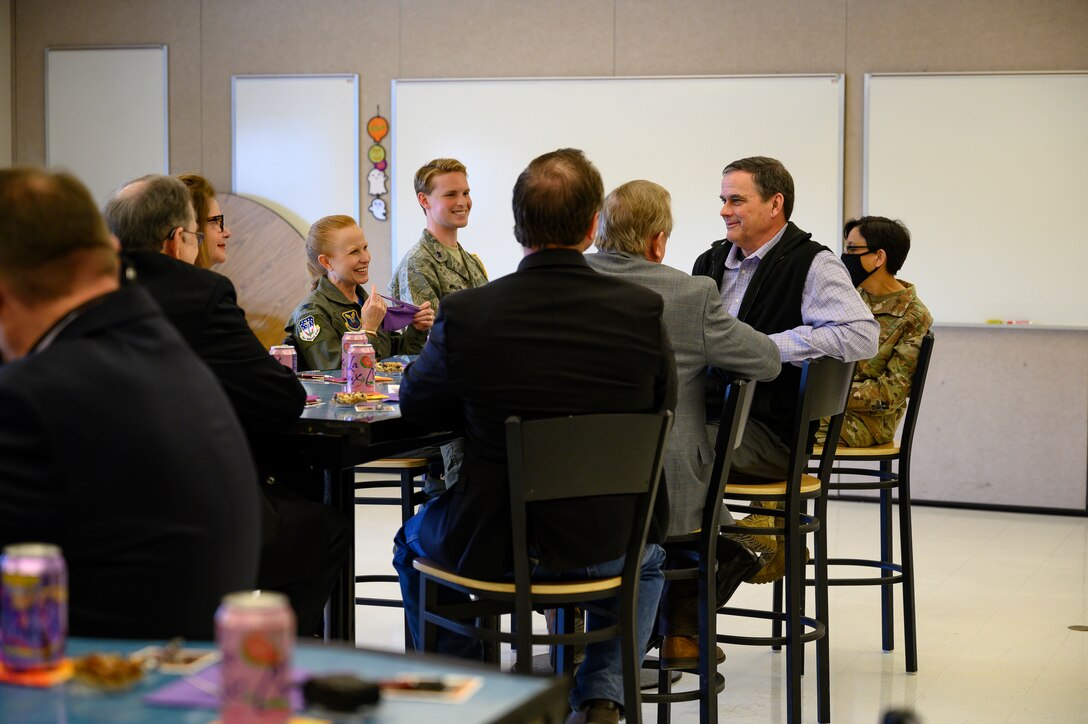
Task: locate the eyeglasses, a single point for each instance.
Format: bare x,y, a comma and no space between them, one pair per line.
198,234
217,220
858,250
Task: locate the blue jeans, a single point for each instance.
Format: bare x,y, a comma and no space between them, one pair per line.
601,674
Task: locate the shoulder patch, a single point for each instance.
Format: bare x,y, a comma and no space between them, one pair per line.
351,319
308,329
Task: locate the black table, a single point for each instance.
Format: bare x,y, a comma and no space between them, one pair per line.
329,440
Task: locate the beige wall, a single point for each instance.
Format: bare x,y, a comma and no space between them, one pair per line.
210,40
5,83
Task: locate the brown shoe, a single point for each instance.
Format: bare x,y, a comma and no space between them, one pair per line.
596,711
682,652
774,568
754,542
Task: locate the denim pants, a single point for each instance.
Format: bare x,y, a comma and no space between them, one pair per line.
601,674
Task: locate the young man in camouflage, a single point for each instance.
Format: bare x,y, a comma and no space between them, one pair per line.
438,265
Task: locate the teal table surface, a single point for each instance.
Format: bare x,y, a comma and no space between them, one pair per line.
502,696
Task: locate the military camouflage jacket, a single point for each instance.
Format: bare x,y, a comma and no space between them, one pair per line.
430,271
320,321
878,396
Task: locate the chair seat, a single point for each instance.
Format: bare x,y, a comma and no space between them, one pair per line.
551,588
396,463
888,449
809,486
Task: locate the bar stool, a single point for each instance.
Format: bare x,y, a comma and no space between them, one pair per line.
410,495
822,392
887,481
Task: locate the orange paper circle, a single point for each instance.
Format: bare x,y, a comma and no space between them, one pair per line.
377,127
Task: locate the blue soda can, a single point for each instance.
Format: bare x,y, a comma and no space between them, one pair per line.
33,606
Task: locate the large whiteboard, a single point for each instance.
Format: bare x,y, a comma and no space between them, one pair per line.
105,114
990,173
296,142
679,132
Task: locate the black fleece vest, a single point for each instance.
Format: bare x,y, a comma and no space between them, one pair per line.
772,303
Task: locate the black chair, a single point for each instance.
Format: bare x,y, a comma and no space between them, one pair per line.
822,392
888,482
702,545
563,458
408,485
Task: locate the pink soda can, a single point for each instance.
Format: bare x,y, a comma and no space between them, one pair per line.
359,370
33,606
285,354
346,341
255,631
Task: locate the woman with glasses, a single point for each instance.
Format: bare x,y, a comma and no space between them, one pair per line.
876,248
209,220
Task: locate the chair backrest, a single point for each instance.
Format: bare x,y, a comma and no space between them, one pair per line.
823,391
917,386
737,403
566,458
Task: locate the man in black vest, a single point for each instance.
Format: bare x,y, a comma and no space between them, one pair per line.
773,276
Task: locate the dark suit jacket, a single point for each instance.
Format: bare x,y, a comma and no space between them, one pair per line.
203,306
116,444
554,338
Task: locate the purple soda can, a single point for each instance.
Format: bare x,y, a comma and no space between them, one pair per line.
255,631
33,606
346,341
285,354
359,369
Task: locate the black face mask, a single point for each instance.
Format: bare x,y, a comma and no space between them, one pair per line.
858,274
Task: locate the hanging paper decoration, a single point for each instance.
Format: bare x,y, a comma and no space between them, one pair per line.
377,128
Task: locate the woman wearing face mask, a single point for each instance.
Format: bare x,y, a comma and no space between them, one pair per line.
876,248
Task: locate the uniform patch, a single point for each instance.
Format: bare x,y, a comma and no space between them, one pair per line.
351,319
308,329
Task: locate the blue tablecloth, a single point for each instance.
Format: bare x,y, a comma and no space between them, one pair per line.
502,697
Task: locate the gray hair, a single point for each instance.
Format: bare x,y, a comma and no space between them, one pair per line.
631,215
144,212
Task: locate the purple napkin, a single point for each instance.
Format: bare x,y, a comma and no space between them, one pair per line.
398,314
194,691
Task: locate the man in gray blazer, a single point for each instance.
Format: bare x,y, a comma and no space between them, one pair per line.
635,224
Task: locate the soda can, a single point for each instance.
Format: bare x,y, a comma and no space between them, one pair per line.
255,631
33,606
346,341
285,354
360,368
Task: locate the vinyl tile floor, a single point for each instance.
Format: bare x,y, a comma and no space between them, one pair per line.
998,597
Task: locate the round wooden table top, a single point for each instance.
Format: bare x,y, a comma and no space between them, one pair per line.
266,260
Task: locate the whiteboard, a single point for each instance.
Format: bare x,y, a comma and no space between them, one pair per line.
106,114
990,174
678,132
295,141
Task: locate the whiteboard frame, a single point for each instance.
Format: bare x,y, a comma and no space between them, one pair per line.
328,196
957,318
829,227
111,160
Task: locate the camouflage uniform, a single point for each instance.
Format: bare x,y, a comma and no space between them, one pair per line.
318,324
878,395
430,271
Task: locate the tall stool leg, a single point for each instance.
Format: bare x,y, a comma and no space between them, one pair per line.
887,600
906,546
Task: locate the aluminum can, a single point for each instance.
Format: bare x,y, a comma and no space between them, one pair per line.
285,354
255,631
360,368
33,606
346,341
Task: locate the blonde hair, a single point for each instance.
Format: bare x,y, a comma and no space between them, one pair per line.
427,172
201,192
631,214
319,240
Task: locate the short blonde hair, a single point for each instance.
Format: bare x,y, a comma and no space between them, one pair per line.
632,214
426,174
